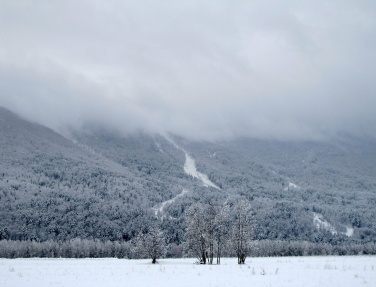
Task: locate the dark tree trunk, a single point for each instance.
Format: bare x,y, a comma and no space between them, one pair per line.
203,258
211,253
219,255
154,260
241,259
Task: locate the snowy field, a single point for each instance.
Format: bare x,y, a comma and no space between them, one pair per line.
282,271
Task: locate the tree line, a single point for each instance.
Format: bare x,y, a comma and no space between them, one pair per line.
90,248
211,231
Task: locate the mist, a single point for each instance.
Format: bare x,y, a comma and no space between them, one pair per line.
205,70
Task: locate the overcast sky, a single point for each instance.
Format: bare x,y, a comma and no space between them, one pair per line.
200,69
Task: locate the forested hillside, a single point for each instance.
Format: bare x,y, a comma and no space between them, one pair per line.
290,182
99,184
52,188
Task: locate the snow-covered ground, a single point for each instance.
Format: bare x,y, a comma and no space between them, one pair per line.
279,271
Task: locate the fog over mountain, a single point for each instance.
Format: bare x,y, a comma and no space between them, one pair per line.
199,69
100,185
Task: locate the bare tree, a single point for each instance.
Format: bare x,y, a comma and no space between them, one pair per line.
243,230
222,229
196,234
210,215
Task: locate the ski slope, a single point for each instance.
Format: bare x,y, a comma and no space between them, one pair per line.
160,210
190,167
320,223
279,271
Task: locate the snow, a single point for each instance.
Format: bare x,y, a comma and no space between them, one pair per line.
291,186
279,271
158,145
349,231
89,149
160,210
190,167
321,223
214,154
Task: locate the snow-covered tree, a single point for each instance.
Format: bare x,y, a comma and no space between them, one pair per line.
243,230
195,233
222,229
151,244
210,215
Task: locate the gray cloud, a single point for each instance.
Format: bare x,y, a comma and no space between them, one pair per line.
202,69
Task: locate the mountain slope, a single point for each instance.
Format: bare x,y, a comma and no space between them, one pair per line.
290,180
53,188
100,184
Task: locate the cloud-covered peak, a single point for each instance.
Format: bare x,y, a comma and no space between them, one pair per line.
200,69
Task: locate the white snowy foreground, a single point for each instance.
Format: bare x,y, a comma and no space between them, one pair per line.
282,271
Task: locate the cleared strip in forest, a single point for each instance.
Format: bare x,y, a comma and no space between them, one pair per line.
159,211
190,167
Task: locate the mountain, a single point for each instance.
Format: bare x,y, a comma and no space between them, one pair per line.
99,184
53,188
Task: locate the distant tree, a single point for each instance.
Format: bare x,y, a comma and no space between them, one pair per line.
222,229
195,233
242,230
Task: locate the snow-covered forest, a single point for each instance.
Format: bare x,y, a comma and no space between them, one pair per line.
93,192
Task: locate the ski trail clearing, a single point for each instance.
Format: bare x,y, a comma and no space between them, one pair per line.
321,223
190,167
159,211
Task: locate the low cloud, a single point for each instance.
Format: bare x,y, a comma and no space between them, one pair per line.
201,69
